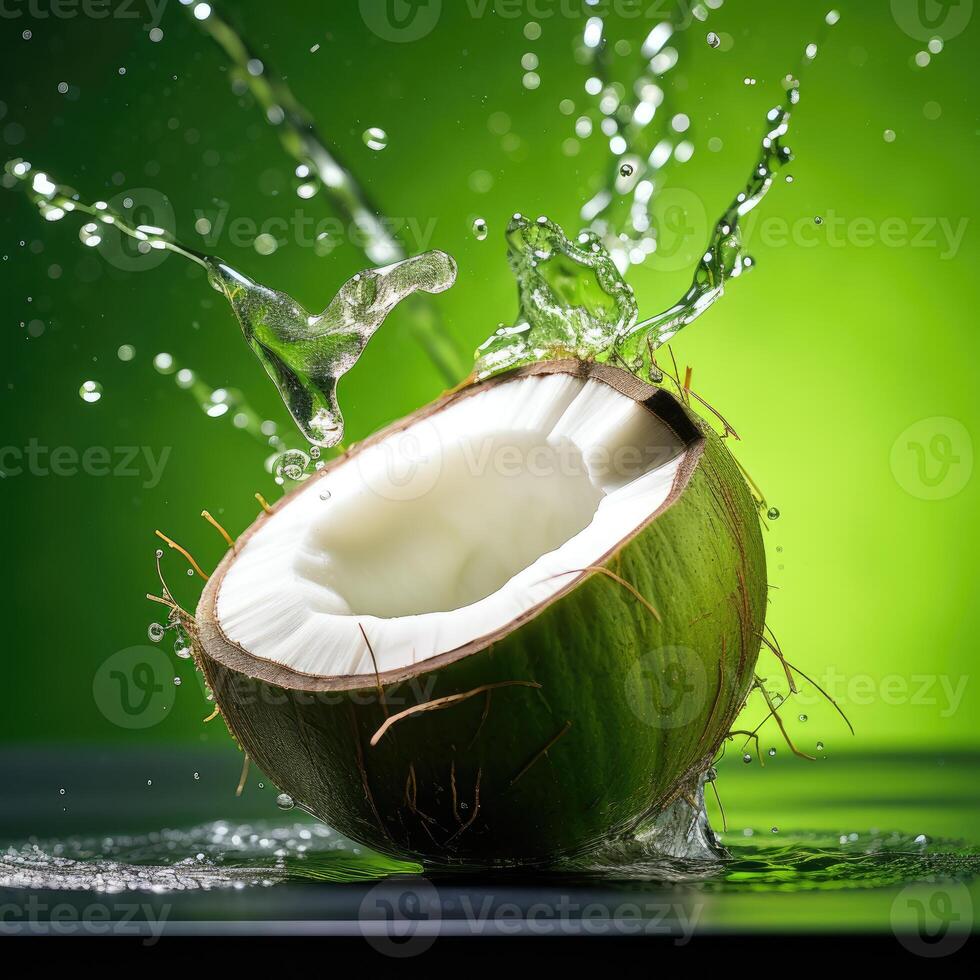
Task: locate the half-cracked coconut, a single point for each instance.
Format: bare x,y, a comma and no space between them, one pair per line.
507,629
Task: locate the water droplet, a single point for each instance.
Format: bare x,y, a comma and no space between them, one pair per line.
480,229
90,391
156,34
889,135
155,632
748,80
375,138
265,244
773,514
126,352
177,682
626,170
292,465
790,178
818,220
922,839
164,363
772,752
803,718
713,40
774,830
181,647
932,110
159,552
285,802
820,746
325,495
746,758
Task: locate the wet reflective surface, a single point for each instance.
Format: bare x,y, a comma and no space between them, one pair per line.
845,847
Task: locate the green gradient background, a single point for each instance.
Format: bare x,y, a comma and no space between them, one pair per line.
820,358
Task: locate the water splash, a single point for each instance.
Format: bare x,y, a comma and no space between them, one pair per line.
217,855
792,862
636,117
224,855
724,259
222,402
320,169
561,312
304,354
572,300
54,201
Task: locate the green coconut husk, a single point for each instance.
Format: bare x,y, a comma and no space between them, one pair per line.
564,733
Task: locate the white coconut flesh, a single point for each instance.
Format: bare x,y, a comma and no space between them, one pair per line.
451,529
